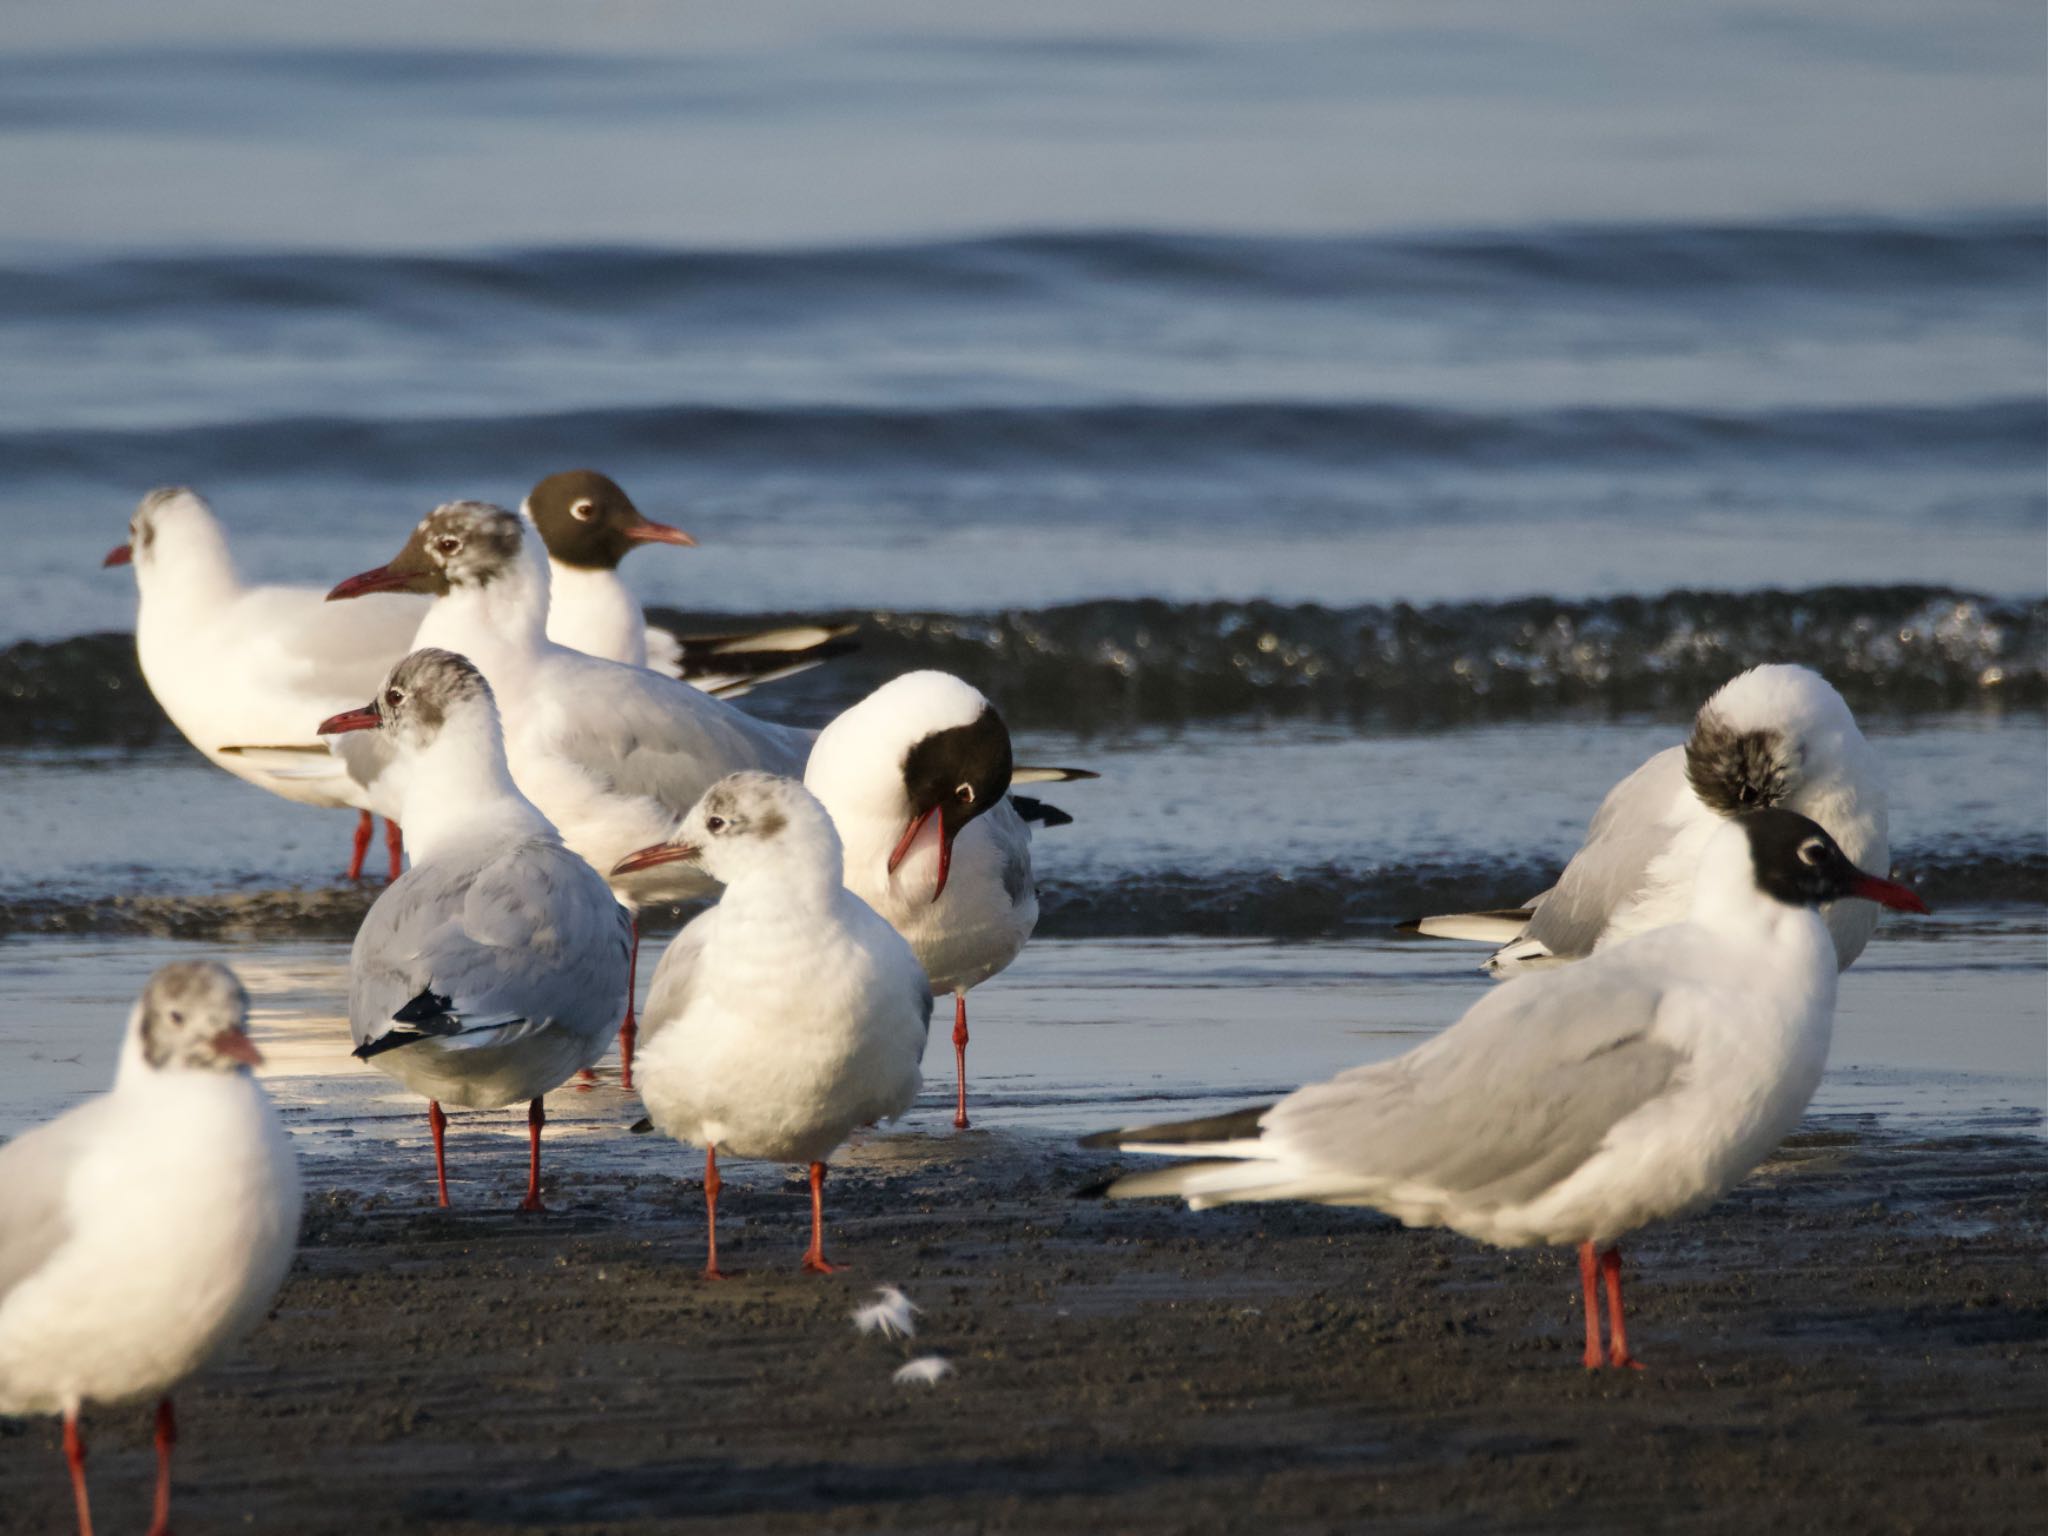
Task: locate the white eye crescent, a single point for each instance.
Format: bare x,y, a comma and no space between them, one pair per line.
964,793
583,511
1813,851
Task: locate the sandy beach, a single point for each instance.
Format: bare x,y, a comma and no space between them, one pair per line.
1853,1342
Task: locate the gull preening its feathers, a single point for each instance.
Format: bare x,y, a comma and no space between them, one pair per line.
146,1230
495,968
789,1014
1577,1104
1776,735
917,778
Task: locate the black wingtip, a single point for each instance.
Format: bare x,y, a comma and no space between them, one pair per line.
428,1007
1410,925
1234,1125
1039,812
1104,1139
1099,1190
642,1126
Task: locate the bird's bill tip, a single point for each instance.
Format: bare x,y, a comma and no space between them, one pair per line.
236,1046
120,554
364,719
660,533
382,579
1889,893
659,854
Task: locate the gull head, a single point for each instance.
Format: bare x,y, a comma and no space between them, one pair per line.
460,544
1793,861
926,753
587,521
193,1016
420,696
170,519
1768,737
747,824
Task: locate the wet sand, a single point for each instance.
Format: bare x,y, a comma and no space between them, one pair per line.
1855,1341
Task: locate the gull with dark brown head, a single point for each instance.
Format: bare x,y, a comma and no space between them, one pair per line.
1577,1104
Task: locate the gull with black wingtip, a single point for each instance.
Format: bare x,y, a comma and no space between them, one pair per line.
494,969
917,777
146,1230
1777,735
1577,1104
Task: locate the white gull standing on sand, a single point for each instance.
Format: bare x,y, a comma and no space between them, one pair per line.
1777,735
612,755
789,1014
917,778
146,1230
1574,1105
589,525
496,967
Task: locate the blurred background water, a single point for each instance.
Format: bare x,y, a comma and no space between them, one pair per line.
1302,411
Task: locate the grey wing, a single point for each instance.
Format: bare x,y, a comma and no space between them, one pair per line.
35,1179
675,978
643,734
1013,851
531,939
1508,1101
1629,830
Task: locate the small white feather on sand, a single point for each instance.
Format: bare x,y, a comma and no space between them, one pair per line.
928,1371
891,1314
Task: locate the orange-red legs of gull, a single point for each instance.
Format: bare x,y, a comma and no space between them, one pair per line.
536,1117
74,1457
394,844
960,1060
166,1439
629,1031
712,1185
438,1124
1592,1263
814,1256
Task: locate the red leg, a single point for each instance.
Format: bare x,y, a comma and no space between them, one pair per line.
536,1117
437,1123
166,1438
365,825
814,1256
712,1185
394,844
628,1031
1617,1326
960,1060
1589,1280
74,1456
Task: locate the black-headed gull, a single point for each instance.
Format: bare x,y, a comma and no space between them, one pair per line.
146,1230
242,671
589,524
1777,735
1574,1105
495,968
787,1015
613,755
917,778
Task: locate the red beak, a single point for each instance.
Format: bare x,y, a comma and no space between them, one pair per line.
382,579
120,554
650,858
236,1046
660,533
364,719
945,849
1888,893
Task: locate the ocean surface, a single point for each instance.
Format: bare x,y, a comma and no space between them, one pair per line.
1363,434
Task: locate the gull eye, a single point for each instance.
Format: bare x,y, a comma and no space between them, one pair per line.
714,823
177,1017
583,511
1813,851
964,793
394,697
448,544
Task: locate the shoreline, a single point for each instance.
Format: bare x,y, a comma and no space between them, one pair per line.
1851,1341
